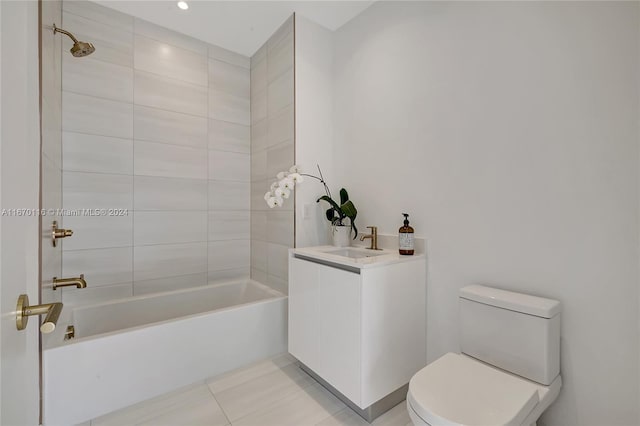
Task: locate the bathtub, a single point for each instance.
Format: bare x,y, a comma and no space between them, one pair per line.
133,349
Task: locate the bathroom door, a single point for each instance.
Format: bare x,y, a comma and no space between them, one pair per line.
19,199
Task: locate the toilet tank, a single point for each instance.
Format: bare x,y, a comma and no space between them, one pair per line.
516,332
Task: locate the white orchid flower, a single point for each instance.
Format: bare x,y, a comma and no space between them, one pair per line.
268,195
279,201
285,193
281,175
274,185
296,177
278,193
271,202
287,183
295,169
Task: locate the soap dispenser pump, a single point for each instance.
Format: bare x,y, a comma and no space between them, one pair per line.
405,237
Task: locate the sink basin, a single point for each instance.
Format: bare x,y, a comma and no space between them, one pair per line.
354,253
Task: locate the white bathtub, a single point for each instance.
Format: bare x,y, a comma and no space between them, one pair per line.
130,350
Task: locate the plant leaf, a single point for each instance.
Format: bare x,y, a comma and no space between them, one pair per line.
349,210
344,197
353,227
333,204
330,214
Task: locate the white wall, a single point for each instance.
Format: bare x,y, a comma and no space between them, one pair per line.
509,132
314,128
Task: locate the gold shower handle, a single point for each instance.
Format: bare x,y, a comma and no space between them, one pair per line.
24,311
59,233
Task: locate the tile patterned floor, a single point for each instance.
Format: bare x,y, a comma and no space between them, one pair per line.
273,392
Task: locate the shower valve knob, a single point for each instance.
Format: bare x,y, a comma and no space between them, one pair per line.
59,233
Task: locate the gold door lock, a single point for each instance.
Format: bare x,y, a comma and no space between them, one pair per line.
59,233
24,311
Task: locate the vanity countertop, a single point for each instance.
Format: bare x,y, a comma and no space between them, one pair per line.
354,257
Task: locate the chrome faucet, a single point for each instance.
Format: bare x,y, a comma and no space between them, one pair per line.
64,282
374,238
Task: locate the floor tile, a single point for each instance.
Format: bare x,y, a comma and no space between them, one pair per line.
305,407
262,392
238,377
397,416
191,405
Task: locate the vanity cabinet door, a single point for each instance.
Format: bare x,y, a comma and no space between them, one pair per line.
339,330
304,317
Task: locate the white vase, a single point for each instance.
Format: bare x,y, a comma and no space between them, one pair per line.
341,236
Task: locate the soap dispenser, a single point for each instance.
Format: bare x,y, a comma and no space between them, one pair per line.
405,237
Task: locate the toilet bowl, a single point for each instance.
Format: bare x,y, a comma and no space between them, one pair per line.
509,371
460,390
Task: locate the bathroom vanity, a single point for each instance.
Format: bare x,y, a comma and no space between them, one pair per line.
357,322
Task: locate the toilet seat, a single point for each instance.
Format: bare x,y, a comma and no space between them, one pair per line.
459,390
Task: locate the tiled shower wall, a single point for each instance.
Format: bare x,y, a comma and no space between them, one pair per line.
272,150
156,124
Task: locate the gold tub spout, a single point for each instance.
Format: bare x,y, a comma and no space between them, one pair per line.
64,282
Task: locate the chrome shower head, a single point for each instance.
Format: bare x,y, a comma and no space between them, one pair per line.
80,48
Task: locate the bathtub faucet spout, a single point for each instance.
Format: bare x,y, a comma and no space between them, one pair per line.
64,282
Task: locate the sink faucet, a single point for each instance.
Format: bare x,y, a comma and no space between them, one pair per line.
374,238
64,282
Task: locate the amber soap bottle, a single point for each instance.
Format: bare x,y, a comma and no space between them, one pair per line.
405,237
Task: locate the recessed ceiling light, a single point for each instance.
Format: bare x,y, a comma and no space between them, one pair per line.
183,5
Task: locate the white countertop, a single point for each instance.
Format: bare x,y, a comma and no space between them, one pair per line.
380,257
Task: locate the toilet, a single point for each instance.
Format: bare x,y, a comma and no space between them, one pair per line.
508,372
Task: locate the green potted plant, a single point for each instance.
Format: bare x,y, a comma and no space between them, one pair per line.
342,216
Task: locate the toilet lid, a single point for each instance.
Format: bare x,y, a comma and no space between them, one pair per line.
458,390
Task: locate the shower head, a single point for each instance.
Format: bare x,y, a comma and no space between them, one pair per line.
80,48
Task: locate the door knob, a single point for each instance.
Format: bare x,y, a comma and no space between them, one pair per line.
24,311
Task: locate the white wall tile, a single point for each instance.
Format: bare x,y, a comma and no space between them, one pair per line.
90,232
225,136
228,274
229,254
159,193
51,123
156,159
280,34
113,44
229,195
227,78
278,260
259,254
228,56
259,135
280,57
278,284
157,125
169,260
90,77
280,93
259,275
259,167
96,191
258,106
100,154
280,227
98,13
279,158
260,55
281,126
229,225
227,107
170,61
259,76
166,93
225,165
170,283
90,295
87,114
166,35
169,227
258,190
100,266
258,225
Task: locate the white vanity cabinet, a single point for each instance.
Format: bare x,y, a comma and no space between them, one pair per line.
358,326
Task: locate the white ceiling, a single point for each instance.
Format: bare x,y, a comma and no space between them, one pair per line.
240,26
